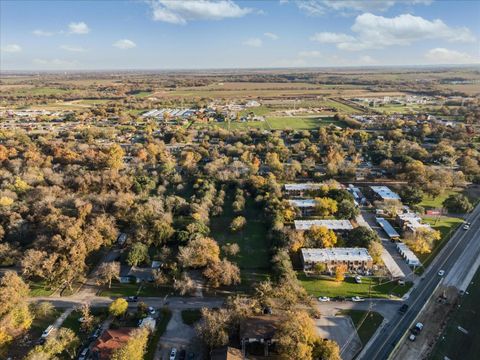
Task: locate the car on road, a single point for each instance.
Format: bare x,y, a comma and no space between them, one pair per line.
173,354
357,299
132,298
466,227
403,309
151,310
441,273
84,354
358,279
412,337
323,299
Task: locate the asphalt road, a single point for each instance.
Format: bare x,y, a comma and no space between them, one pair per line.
447,260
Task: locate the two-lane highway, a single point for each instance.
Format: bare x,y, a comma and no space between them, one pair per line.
446,260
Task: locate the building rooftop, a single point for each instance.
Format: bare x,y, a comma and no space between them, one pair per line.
385,193
387,227
409,255
303,186
303,203
329,224
335,254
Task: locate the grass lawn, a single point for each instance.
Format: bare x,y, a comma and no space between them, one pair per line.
436,203
252,239
446,225
454,343
370,323
301,123
162,322
146,290
190,317
71,322
325,286
40,288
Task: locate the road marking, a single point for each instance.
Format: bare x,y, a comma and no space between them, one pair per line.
462,236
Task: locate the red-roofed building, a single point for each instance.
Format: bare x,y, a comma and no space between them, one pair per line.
110,340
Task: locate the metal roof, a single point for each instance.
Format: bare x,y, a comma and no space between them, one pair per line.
329,224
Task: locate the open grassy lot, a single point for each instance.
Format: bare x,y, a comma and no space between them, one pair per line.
365,322
370,287
454,343
301,123
252,239
142,290
40,288
436,202
447,226
190,317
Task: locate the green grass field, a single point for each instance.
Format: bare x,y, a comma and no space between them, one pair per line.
436,203
147,290
366,324
454,343
325,286
40,288
252,239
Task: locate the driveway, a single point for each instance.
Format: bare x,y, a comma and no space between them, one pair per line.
179,336
341,330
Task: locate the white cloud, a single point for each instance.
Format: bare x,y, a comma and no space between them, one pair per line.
271,35
73,48
55,63
124,44
368,60
253,42
78,28
39,32
180,12
310,54
446,56
331,38
11,48
377,32
351,7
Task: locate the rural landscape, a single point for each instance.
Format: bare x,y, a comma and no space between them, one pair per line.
238,212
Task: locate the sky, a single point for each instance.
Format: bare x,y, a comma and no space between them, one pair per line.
208,34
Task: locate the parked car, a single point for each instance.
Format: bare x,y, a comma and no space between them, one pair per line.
132,298
173,354
412,337
417,329
403,309
357,299
441,273
151,310
358,279
84,354
47,331
323,299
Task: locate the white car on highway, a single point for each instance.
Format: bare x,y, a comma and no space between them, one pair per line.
173,354
441,273
323,299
